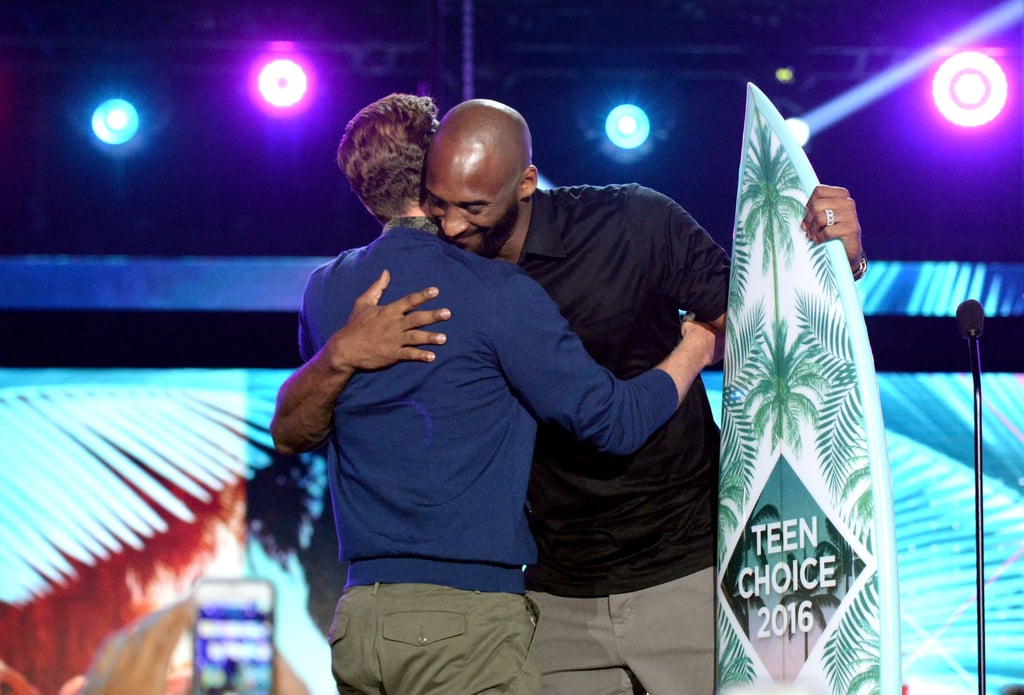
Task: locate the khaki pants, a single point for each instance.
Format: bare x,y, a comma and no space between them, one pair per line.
659,640
421,639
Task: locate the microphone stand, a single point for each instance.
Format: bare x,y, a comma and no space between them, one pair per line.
979,516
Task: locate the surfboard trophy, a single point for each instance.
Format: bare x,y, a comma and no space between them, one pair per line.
806,573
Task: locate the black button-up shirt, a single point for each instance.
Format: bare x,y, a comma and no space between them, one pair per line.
621,262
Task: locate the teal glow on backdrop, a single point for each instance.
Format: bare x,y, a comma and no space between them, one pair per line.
225,431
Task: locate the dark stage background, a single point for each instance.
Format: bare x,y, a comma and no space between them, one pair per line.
169,270
214,176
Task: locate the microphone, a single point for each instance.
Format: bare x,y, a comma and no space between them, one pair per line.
971,318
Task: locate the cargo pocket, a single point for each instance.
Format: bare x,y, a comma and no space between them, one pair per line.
338,627
423,628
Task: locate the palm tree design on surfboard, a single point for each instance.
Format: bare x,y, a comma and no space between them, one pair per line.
806,559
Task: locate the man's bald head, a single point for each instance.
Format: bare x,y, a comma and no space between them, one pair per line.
479,178
482,132
489,125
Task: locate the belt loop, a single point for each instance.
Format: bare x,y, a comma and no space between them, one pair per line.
376,585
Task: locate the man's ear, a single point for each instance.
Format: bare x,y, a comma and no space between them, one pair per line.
527,184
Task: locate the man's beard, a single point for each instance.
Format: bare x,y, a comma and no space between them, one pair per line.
493,238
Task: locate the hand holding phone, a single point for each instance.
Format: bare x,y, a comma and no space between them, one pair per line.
233,637
135,659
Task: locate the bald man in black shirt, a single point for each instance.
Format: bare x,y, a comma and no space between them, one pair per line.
626,543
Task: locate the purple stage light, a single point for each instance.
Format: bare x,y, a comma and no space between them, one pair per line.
281,83
969,89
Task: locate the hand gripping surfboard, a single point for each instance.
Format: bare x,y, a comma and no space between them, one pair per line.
806,572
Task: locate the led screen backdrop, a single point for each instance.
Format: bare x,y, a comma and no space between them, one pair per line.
118,487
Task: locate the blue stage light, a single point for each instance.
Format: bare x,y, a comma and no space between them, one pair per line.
115,121
627,126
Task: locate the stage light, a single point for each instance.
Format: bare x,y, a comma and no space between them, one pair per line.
115,121
828,114
280,81
543,182
785,75
969,89
627,126
801,131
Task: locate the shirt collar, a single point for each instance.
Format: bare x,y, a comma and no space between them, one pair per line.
543,236
424,224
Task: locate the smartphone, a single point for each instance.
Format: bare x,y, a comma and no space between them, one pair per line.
233,638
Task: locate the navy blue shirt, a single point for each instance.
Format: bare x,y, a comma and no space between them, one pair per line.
429,461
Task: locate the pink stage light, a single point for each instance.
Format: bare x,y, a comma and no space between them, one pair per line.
970,89
281,84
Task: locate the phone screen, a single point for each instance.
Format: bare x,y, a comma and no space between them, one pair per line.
234,638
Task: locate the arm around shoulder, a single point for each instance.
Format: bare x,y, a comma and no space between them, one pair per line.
375,336
304,414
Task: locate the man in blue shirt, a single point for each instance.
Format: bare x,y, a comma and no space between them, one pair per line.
428,463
